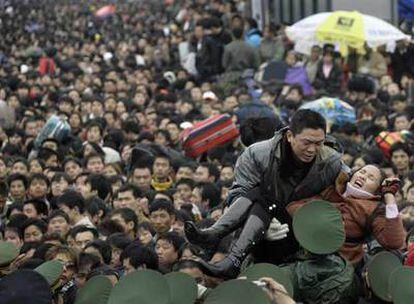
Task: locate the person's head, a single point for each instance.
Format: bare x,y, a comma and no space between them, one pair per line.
167,248
400,156
127,218
95,163
401,122
128,196
315,53
72,203
192,268
295,94
94,132
86,263
36,165
162,167
38,186
328,54
237,33
185,171
141,177
136,257
58,222
146,233
82,235
101,249
398,103
33,230
162,215
184,189
210,195
410,194
19,165
17,184
369,178
227,174
290,57
35,208
72,167
118,242
68,257
97,185
60,183
206,172
306,134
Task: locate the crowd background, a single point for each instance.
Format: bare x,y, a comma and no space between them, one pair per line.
136,77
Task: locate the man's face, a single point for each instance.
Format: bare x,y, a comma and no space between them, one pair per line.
185,192
161,220
31,128
125,200
166,252
59,186
202,175
401,123
161,168
73,169
82,239
17,189
19,167
32,234
30,211
306,145
38,188
400,160
58,224
94,134
184,172
141,177
172,128
13,237
95,165
227,174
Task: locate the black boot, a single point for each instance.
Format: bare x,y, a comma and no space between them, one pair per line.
226,224
229,268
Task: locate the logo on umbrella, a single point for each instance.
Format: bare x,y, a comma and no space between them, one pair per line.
345,22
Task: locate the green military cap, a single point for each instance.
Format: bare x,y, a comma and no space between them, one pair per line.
401,284
143,287
257,271
319,228
237,292
183,288
51,271
96,290
8,252
379,270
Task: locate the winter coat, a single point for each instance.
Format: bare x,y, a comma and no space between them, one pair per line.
330,84
239,56
362,218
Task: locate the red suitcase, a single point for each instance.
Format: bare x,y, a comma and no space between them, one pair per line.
208,134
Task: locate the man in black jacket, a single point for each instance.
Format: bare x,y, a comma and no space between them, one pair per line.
294,164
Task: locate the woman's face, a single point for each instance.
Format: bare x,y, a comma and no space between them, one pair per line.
368,179
358,164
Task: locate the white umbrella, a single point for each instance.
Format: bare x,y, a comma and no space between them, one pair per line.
343,29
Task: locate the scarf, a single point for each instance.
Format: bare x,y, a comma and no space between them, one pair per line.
354,192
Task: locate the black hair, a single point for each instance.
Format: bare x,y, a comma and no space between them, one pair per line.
82,228
39,205
136,192
173,238
59,176
104,248
35,222
87,262
128,215
147,226
57,213
211,192
39,176
17,176
212,169
119,240
108,227
185,264
162,204
186,181
71,199
139,255
101,184
400,146
306,119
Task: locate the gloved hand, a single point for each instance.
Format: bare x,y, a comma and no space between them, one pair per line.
277,231
390,185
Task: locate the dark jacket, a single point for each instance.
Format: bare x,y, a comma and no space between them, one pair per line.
254,163
330,84
208,59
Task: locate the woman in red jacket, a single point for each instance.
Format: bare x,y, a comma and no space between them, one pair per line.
368,207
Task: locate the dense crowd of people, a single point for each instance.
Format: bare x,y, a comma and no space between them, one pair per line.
113,191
